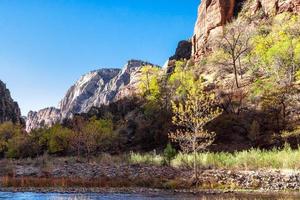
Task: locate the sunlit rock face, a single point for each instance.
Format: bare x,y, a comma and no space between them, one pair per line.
43,118
214,14
124,84
96,88
279,6
89,85
9,109
102,87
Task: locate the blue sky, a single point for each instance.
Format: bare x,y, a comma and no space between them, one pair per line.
46,45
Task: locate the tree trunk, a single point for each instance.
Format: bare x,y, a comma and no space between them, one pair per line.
284,115
195,166
235,74
240,68
293,67
195,160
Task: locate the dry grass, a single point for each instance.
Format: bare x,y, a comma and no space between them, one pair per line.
147,159
244,160
35,182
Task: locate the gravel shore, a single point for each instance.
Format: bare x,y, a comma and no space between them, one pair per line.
163,177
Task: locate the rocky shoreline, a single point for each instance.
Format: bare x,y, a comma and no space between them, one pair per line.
18,174
261,180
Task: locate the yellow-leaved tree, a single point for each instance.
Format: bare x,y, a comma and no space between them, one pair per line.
191,115
182,79
149,83
150,88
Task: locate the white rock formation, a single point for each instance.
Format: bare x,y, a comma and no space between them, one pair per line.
43,118
89,85
93,89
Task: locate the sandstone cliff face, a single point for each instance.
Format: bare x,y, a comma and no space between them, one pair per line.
96,88
9,109
214,14
279,6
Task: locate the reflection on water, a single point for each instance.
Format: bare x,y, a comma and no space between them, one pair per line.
93,196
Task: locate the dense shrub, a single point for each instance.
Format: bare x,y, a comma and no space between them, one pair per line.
22,146
58,139
87,138
92,136
169,154
8,131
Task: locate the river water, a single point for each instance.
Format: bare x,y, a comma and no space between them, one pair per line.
95,196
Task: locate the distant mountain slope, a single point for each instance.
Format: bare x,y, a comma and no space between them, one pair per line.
9,109
96,88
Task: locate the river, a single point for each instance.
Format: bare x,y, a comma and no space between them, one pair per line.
117,196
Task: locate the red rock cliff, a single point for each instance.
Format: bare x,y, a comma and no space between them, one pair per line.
214,14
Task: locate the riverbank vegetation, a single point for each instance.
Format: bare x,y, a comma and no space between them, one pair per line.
253,159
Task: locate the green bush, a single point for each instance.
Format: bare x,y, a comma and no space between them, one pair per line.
8,130
169,154
14,146
22,146
58,139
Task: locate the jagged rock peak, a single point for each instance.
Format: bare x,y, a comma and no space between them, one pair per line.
135,64
9,109
84,89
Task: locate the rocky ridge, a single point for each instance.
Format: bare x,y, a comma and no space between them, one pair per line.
9,109
96,88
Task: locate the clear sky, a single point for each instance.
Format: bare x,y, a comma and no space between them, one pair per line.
46,45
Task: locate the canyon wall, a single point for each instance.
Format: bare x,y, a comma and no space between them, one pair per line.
214,14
